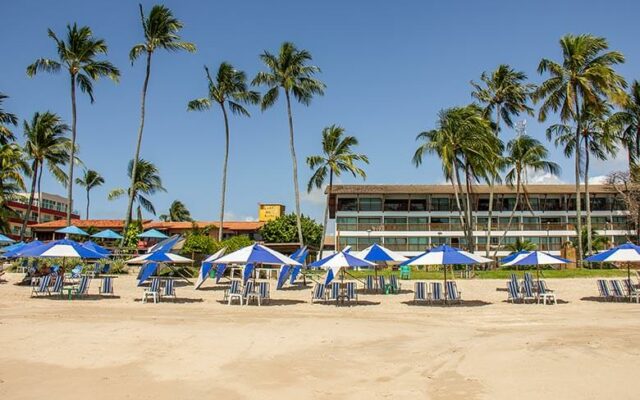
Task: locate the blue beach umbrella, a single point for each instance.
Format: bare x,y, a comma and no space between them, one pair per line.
12,247
96,247
627,252
160,256
61,249
536,258
338,262
513,256
152,234
107,234
257,254
206,267
378,254
17,251
72,230
5,239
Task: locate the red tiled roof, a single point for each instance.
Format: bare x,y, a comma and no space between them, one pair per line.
117,224
81,223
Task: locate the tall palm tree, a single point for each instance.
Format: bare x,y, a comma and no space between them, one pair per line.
465,142
520,245
229,88
505,93
147,182
177,212
46,143
584,78
78,54
524,154
337,157
597,139
161,31
627,121
289,71
6,118
13,166
90,180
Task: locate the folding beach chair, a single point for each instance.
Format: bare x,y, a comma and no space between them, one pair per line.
381,283
57,285
369,283
152,291
514,279
335,291
318,293
436,292
55,269
24,266
512,291
250,293
105,269
453,294
545,293
420,292
42,287
616,290
527,292
603,290
631,290
351,293
263,292
234,288
395,285
76,271
96,270
83,286
107,285
169,289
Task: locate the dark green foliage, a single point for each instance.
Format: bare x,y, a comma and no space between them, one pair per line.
283,230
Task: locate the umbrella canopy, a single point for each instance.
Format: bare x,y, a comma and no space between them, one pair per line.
165,245
256,254
18,250
160,256
206,267
377,253
340,261
12,247
5,239
152,234
446,255
107,234
215,255
536,258
72,230
513,256
627,252
96,247
61,248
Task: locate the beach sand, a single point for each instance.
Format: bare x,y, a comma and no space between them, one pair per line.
386,348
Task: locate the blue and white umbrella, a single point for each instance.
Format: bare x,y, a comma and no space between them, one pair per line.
61,249
96,247
5,239
257,254
513,256
378,254
12,247
536,258
338,262
207,265
72,230
160,256
107,234
628,253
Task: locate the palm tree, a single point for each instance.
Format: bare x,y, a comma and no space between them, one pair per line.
78,54
597,139
6,118
524,154
289,71
584,78
160,30
465,142
229,88
505,93
520,245
337,157
627,121
146,183
90,180
13,167
177,212
45,143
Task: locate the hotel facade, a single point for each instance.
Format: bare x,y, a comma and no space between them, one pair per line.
412,218
51,208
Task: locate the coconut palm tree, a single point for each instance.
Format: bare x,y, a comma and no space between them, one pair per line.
146,183
177,212
289,71
90,180
627,121
6,118
524,154
161,31
505,93
78,54
13,166
597,139
46,143
337,157
520,245
228,89
584,78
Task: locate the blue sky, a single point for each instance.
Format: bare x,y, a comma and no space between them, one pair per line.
388,66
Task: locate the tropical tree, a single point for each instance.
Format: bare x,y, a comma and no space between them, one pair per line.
13,166
228,89
627,122
290,72
524,154
284,230
46,143
597,139
465,143
161,31
520,245
79,55
6,118
90,180
147,182
337,157
584,78
178,212
505,93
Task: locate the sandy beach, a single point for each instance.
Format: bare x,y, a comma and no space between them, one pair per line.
197,347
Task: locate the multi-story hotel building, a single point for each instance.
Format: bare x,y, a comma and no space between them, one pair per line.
412,218
52,208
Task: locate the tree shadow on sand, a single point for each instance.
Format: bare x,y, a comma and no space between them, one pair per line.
363,303
179,300
599,299
440,304
273,302
86,297
534,303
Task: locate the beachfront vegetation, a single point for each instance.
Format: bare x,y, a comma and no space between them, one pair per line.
199,244
147,182
178,212
228,89
90,180
337,157
284,230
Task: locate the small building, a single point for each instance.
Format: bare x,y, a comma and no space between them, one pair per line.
51,208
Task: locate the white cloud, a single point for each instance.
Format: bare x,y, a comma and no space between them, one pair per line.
231,216
598,180
316,197
542,177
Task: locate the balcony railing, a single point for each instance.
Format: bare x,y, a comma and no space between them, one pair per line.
444,227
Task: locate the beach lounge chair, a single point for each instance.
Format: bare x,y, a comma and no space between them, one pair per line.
234,288
152,291
105,269
24,266
420,292
264,292
107,285
631,290
544,293
395,285
603,290
335,291
381,283
169,289
350,291
249,293
453,294
83,286
369,284
42,287
436,292
318,293
527,292
55,269
512,291
57,285
616,290
75,272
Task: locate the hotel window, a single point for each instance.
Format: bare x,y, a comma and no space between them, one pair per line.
599,204
395,243
418,205
396,205
552,205
347,223
619,204
370,204
395,223
418,243
366,223
440,204
417,223
347,204
530,223
439,222
347,241
364,242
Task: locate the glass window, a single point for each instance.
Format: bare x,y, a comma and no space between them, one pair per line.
418,205
395,243
440,204
396,205
347,241
369,220
347,204
370,204
418,243
346,220
439,220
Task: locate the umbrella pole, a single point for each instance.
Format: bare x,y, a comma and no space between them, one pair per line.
629,279
538,278
445,284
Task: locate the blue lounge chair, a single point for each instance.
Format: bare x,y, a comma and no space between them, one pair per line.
24,266
350,292
453,294
318,293
603,290
381,283
76,271
616,289
107,285
395,285
83,286
57,285
631,290
42,287
436,292
335,291
234,288
369,283
544,293
152,291
263,292
55,269
250,293
105,269
169,289
528,292
420,292
512,291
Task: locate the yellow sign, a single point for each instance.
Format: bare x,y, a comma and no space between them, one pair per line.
269,212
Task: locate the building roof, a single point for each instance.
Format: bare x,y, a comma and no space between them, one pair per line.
448,189
82,223
118,224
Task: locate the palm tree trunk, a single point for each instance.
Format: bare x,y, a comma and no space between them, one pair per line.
326,213
491,190
73,149
30,204
139,143
578,199
470,244
455,185
88,202
295,170
224,171
586,195
459,183
39,194
513,213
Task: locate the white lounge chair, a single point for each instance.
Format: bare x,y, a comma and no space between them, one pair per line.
153,291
